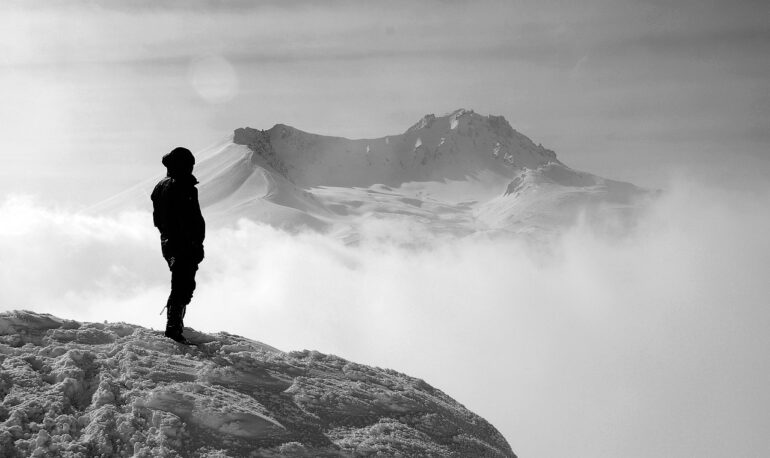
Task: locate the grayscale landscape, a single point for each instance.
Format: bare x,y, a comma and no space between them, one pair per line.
439,228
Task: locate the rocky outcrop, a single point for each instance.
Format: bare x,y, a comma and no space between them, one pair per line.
115,389
259,143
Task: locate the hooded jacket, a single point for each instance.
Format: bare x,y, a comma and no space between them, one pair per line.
176,211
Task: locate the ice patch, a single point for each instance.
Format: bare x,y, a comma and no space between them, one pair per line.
418,143
454,119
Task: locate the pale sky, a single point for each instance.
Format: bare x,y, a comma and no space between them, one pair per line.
93,93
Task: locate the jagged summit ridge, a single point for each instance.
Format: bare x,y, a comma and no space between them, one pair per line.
116,389
451,121
452,146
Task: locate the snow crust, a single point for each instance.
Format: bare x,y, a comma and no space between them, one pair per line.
114,389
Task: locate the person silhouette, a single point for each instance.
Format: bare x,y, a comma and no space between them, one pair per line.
177,215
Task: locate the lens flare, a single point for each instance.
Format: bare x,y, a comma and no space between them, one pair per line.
213,78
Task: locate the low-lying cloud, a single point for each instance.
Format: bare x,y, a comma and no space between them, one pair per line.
650,344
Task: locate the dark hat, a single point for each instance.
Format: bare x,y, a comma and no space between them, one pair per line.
179,160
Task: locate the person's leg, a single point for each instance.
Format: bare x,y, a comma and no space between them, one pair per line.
182,287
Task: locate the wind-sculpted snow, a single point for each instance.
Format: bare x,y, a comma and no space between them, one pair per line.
115,389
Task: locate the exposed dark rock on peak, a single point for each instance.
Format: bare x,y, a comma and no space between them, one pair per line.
423,123
259,142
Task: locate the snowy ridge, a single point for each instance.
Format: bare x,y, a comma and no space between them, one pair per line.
555,196
115,389
454,173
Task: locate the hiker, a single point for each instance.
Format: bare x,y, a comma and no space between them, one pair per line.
177,215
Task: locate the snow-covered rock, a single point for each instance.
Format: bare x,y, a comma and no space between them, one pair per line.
115,389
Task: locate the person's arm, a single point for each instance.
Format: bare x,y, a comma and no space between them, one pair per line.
167,207
159,207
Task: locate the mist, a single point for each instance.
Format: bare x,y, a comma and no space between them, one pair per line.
649,343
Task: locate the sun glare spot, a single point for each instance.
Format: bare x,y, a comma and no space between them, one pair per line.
213,78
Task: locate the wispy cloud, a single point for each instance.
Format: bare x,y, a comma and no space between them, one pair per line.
604,342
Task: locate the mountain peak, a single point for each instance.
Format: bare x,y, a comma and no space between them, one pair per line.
477,168
452,118
424,123
501,126
466,120
450,146
448,121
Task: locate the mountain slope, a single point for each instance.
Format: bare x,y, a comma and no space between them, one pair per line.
446,148
461,172
114,389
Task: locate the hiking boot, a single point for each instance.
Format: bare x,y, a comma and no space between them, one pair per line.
178,337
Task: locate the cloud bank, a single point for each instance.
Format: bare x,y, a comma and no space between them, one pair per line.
653,343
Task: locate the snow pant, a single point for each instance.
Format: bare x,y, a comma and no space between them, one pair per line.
182,287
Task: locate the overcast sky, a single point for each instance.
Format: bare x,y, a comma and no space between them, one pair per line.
94,92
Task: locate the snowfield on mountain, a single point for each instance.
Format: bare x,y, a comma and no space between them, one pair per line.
461,173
